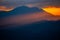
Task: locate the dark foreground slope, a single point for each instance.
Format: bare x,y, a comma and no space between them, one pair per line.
43,30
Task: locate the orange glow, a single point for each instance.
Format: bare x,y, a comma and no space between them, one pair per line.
28,18
4,8
52,10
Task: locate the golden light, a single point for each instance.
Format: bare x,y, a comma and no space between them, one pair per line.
4,8
52,10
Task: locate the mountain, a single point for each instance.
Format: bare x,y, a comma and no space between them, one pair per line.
43,30
43,26
25,9
3,14
20,10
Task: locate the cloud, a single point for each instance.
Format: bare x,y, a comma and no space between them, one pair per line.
4,8
29,18
52,10
39,3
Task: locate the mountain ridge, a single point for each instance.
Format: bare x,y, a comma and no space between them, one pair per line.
20,10
25,9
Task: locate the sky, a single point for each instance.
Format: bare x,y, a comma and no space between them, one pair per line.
50,6
38,3
7,5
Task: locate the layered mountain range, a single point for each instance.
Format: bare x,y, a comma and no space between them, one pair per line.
30,24
26,15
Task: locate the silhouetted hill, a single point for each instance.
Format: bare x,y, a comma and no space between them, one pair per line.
43,30
3,14
25,9
20,10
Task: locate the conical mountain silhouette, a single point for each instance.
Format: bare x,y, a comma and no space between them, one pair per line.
25,9
20,10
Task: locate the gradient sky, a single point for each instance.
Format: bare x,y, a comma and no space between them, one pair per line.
38,3
7,5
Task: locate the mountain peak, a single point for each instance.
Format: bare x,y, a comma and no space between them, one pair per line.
21,10
21,7
25,9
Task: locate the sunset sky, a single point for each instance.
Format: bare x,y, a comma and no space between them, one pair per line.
6,5
40,3
30,19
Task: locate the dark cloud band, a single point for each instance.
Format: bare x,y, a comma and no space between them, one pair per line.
41,3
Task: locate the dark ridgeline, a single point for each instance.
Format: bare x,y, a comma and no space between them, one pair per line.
43,30
20,10
25,9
